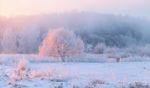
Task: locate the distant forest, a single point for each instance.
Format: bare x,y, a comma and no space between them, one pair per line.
25,34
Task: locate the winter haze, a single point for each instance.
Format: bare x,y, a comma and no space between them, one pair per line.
74,43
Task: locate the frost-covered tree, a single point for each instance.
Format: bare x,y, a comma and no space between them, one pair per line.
9,41
28,40
145,50
61,43
89,48
99,48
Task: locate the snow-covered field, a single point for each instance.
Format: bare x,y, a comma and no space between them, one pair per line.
74,74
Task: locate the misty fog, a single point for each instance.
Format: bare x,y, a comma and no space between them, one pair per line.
25,34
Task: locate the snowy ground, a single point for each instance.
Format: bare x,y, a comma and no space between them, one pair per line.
77,75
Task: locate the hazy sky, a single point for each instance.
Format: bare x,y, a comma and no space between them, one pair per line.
32,7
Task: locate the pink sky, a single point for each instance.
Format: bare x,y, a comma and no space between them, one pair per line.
34,7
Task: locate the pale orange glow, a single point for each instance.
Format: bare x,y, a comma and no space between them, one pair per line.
31,7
